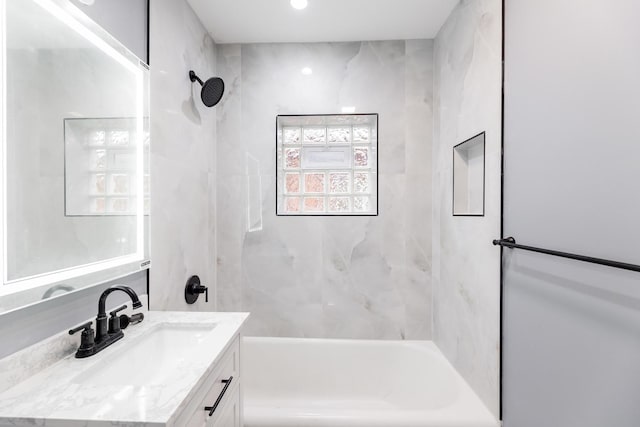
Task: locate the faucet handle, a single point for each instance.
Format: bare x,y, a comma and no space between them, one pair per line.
114,320
86,326
114,312
87,339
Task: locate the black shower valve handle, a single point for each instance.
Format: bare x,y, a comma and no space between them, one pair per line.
193,289
201,289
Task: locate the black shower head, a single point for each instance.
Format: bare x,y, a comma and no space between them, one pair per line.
212,89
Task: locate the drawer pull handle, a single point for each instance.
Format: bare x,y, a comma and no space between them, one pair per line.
212,409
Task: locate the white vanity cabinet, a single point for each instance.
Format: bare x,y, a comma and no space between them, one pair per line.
163,373
223,386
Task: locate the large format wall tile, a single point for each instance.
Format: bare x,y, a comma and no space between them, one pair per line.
182,157
466,267
351,277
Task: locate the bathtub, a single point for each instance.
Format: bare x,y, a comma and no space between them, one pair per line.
325,382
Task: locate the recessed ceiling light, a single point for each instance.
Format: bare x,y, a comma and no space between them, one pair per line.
307,71
348,110
299,4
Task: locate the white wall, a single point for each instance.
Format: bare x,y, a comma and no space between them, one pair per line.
466,267
182,157
572,183
351,277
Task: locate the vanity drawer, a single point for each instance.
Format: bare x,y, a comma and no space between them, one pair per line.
223,383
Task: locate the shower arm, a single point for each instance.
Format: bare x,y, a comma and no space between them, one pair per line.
194,78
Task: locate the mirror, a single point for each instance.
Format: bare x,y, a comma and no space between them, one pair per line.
76,153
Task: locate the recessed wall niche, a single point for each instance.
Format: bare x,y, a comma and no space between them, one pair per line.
468,177
327,164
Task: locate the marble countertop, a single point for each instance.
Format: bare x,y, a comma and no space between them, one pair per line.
55,397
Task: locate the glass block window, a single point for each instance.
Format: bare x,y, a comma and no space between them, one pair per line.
327,164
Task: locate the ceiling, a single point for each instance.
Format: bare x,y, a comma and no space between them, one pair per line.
275,21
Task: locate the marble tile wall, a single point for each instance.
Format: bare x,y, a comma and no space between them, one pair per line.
182,157
342,277
466,267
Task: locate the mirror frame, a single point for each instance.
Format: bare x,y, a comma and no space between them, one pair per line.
18,293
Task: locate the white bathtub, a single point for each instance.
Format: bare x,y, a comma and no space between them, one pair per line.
323,382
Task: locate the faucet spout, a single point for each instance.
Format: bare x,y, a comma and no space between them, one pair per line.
101,320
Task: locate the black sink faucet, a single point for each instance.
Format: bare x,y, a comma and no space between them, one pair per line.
108,330
102,322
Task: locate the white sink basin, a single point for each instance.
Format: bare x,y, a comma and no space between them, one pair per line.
150,360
